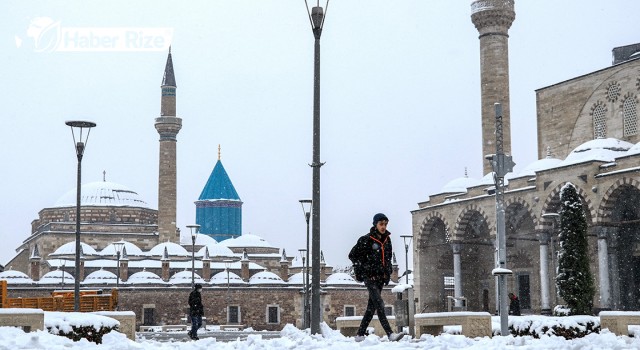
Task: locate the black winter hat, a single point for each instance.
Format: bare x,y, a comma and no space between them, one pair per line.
379,217
197,286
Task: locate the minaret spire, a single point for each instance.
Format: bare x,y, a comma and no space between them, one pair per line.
218,151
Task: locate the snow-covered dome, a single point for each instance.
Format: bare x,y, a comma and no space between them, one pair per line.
55,277
201,239
297,278
539,165
129,247
102,193
265,277
459,185
220,278
173,249
216,250
100,277
340,278
15,277
246,240
184,277
70,249
604,150
145,277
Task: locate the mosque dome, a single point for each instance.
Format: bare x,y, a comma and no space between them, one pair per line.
216,250
100,277
633,150
340,278
103,193
129,247
201,239
15,277
459,185
70,249
145,277
540,164
603,150
265,277
220,278
296,278
173,249
184,277
55,277
246,240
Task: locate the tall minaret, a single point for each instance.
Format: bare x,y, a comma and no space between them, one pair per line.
493,18
168,126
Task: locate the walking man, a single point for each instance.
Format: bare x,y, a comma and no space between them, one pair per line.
196,310
371,258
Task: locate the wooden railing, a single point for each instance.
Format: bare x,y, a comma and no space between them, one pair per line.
90,300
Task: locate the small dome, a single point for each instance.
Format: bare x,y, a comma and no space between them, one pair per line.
15,277
70,249
102,193
459,185
603,150
184,277
100,277
246,240
539,165
297,278
55,277
201,239
341,278
216,250
145,277
130,248
265,277
173,249
220,278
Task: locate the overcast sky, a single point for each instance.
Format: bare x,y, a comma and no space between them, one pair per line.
400,110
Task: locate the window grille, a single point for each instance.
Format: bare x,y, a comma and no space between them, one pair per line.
613,91
349,310
599,114
388,311
630,116
273,314
233,314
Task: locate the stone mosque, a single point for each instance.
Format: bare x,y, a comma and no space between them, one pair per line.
588,136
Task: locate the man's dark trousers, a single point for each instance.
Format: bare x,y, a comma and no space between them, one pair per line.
375,304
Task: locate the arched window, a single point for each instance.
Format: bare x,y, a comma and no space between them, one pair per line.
599,114
630,116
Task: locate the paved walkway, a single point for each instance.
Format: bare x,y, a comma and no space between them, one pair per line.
224,336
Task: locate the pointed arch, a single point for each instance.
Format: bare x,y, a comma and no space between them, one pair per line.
465,217
552,204
611,196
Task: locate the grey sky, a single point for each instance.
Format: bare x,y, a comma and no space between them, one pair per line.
399,116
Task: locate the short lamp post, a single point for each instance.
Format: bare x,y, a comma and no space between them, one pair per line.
305,289
407,240
64,263
227,265
81,130
306,210
118,247
194,229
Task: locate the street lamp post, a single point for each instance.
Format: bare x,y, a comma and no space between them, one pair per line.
227,265
305,290
407,240
64,263
118,247
79,127
316,19
306,210
194,234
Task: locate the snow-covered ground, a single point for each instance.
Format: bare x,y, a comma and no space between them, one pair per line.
293,338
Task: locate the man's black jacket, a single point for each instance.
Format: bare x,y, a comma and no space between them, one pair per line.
195,304
371,257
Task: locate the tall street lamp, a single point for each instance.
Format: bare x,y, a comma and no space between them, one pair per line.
305,290
81,130
316,19
306,210
407,240
194,234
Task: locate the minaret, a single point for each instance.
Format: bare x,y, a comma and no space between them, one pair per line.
493,18
168,126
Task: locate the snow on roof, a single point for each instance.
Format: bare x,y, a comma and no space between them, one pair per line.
130,248
184,277
220,278
216,250
70,249
100,276
265,277
340,278
459,185
145,277
173,249
488,179
55,277
15,277
604,150
102,193
297,278
539,165
201,239
246,240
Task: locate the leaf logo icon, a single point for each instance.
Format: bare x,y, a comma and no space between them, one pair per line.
45,33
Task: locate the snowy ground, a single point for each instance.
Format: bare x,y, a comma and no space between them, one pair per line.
293,338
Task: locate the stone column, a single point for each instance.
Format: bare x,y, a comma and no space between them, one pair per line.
124,269
603,267
545,308
457,271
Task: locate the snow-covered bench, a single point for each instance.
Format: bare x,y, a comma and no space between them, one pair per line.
28,319
348,325
474,324
618,321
